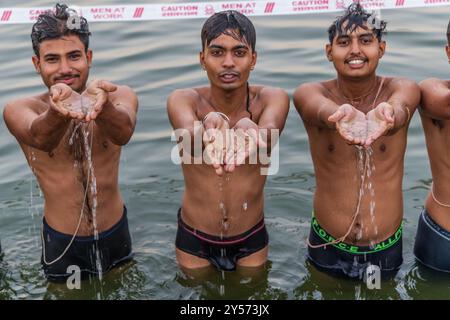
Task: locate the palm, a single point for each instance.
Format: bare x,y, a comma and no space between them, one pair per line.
353,127
214,140
376,126
245,142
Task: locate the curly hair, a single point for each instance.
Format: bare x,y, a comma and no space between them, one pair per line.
53,25
355,16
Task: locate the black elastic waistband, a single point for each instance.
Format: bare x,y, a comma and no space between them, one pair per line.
217,239
101,235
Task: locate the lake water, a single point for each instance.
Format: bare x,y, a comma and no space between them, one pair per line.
156,57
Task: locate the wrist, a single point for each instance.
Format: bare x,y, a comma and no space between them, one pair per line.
55,116
221,114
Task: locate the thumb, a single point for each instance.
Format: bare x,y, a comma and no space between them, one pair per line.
107,86
335,117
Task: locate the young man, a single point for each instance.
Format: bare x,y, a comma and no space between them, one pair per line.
353,227
85,224
432,246
221,220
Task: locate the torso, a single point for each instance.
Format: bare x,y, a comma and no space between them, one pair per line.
437,135
238,196
338,180
61,180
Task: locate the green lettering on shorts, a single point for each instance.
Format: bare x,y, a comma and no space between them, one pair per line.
355,249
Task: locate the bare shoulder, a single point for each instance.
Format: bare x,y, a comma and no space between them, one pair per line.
188,96
17,107
402,83
309,88
271,94
430,85
311,91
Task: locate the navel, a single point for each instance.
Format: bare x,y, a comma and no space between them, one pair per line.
331,147
382,147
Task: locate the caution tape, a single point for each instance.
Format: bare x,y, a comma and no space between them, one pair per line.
191,10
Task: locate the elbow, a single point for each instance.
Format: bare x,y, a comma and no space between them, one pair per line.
124,137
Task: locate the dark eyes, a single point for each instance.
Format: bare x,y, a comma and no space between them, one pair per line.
365,40
75,56
237,53
216,52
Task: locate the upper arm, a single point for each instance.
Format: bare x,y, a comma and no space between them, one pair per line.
180,109
435,99
312,104
18,116
276,108
405,94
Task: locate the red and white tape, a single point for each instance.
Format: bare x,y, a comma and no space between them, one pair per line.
205,9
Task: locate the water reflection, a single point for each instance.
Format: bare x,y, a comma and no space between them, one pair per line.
244,283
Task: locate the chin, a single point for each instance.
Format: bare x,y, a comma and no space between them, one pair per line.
231,86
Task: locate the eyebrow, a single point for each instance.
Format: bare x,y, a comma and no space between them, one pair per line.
240,46
52,55
344,36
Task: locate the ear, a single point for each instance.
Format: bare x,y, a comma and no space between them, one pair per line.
447,51
381,49
36,63
89,56
328,52
254,58
201,57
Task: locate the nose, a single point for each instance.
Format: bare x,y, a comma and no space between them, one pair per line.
228,61
356,50
65,67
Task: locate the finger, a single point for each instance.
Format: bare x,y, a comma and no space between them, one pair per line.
55,93
93,115
63,111
335,117
230,168
107,86
219,171
387,114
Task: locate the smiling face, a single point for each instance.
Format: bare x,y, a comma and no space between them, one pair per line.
356,54
64,60
228,62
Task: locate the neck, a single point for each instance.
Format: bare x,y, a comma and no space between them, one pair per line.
228,101
353,88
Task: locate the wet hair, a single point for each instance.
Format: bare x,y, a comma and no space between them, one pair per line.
448,33
53,25
356,16
231,23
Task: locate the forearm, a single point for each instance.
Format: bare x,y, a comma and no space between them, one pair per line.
48,129
116,123
402,116
324,112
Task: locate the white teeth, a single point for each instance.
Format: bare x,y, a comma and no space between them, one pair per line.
356,61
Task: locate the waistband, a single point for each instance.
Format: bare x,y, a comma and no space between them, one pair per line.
433,225
101,235
380,246
217,239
